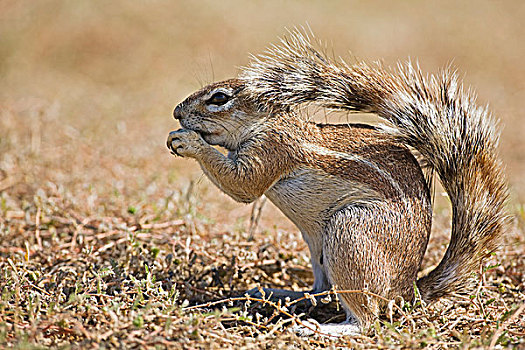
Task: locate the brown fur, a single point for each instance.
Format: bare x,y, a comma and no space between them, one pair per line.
356,192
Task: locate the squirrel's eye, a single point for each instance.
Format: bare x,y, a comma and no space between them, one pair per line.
218,98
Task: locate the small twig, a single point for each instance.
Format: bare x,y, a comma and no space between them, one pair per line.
261,263
255,216
187,285
500,330
104,235
110,245
77,230
161,225
213,335
43,291
478,291
37,228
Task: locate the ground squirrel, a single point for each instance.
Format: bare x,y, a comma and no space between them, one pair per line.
356,192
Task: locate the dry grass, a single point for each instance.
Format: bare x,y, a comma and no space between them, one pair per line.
106,240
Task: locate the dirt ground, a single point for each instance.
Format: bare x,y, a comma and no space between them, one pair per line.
106,240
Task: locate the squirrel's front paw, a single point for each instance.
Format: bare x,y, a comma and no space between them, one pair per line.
185,143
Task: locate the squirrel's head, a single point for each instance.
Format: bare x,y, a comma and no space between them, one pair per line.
222,113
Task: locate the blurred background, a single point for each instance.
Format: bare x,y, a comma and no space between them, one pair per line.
87,88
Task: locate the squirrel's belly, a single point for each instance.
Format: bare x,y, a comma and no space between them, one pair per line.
308,196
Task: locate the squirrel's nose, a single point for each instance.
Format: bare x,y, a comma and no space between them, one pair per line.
177,112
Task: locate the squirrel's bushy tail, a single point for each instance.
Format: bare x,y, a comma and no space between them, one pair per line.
433,114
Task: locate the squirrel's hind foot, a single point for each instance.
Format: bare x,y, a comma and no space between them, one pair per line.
312,328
